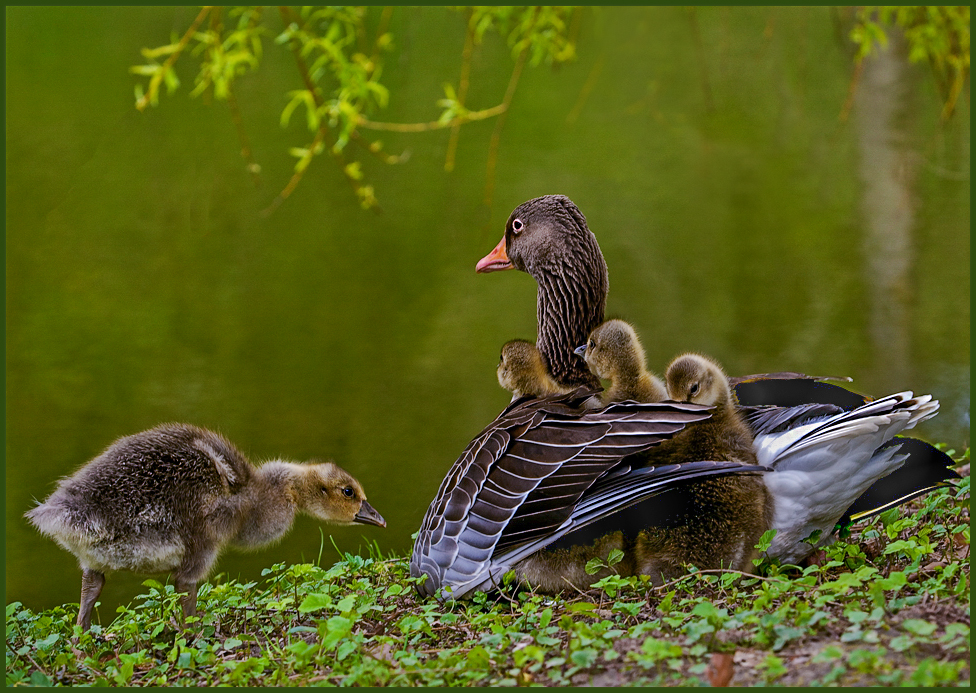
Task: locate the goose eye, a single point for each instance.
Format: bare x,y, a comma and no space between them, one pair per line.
517,226
348,492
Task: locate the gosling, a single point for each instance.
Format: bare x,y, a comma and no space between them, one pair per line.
613,352
170,499
721,520
522,371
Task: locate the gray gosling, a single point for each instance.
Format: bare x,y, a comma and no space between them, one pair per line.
522,372
721,520
613,352
170,499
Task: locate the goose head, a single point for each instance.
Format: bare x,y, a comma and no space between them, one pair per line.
520,368
613,349
548,238
696,378
522,371
329,493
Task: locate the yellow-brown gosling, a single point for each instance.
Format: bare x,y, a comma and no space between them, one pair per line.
721,519
170,499
522,371
613,352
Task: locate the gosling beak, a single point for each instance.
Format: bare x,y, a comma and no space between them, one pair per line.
495,261
368,516
580,351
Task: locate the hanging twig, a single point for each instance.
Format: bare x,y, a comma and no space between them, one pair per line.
235,113
322,135
845,110
700,49
462,92
584,94
433,125
497,133
380,31
158,77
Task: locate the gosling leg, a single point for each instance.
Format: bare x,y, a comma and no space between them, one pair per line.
91,586
189,600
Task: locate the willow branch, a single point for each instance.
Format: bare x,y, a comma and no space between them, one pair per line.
584,94
462,92
380,30
700,49
950,104
378,153
322,135
845,110
235,113
433,125
158,77
497,133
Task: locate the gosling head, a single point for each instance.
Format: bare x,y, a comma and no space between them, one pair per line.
521,370
696,378
612,348
331,494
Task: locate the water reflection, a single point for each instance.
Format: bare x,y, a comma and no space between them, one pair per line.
886,172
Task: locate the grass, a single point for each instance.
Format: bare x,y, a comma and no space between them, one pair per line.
888,606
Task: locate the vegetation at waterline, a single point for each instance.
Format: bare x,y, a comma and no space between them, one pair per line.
889,605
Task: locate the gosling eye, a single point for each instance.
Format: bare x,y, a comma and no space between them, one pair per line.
693,390
590,344
517,226
348,492
324,489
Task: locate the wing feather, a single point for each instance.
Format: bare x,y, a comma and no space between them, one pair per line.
519,480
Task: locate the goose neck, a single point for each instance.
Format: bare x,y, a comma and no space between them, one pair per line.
269,504
569,308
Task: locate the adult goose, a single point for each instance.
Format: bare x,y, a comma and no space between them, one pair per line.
173,497
819,432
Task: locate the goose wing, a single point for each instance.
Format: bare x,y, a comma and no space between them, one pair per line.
520,479
774,388
767,419
925,469
616,502
823,465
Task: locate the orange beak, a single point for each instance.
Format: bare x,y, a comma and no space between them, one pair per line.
495,261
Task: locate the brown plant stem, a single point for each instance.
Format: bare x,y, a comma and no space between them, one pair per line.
500,123
700,50
719,571
845,110
433,125
384,24
584,94
235,113
157,78
322,135
462,92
